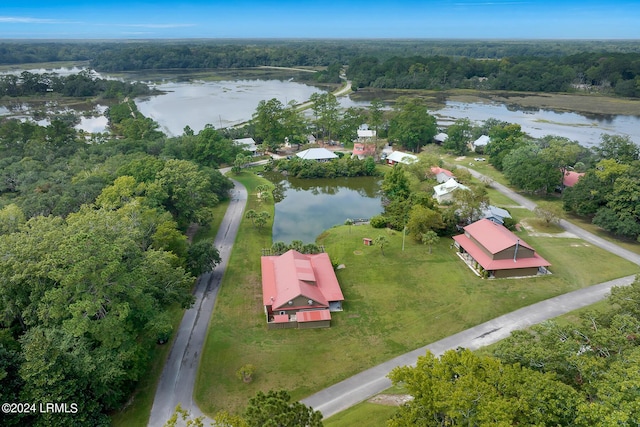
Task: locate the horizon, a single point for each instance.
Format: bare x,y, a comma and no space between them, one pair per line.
286,20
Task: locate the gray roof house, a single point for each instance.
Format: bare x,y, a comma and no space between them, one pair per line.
495,214
318,154
248,144
480,142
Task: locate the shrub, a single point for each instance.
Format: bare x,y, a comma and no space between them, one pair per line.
379,221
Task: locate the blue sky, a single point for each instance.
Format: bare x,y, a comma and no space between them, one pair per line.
460,19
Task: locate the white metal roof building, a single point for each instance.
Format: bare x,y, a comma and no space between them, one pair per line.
319,154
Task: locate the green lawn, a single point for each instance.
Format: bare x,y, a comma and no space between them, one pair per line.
395,303
364,414
630,245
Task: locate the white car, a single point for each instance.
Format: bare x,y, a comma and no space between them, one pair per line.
479,159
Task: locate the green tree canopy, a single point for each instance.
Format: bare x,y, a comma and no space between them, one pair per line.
461,388
411,125
275,409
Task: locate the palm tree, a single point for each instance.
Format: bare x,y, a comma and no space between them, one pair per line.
261,218
430,238
252,215
262,192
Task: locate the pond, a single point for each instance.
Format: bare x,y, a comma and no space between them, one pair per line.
304,208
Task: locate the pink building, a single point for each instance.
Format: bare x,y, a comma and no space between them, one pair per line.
299,290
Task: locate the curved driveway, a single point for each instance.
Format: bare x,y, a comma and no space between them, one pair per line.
366,384
179,374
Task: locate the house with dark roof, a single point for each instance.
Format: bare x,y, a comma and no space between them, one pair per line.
299,290
494,251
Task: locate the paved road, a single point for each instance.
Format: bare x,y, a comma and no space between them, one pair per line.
366,384
179,373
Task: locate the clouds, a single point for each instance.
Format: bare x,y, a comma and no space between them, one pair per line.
29,20
484,19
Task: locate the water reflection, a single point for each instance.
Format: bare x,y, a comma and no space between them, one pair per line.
587,129
221,104
306,207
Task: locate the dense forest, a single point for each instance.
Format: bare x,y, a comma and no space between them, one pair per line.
95,255
612,67
112,56
611,73
81,84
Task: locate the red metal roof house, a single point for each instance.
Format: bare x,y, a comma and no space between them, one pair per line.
571,178
491,247
299,290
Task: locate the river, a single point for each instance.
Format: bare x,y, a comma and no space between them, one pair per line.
197,102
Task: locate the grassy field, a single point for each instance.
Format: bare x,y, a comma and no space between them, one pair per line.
395,302
364,414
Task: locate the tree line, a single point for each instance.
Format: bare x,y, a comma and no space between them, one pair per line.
545,66
604,72
81,84
136,55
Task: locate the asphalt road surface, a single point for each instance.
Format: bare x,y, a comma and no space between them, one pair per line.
180,370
